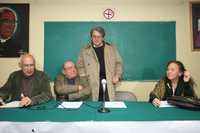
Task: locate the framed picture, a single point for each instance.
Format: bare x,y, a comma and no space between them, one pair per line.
195,25
14,29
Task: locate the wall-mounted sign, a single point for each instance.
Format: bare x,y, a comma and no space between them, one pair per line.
108,14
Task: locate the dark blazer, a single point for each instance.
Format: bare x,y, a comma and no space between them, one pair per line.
163,90
40,87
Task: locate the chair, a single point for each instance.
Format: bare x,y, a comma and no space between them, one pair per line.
125,96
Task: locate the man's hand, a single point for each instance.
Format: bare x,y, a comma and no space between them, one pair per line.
156,102
25,101
1,101
115,79
187,76
80,87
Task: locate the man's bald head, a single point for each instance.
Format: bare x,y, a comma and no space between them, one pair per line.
27,64
25,57
68,64
69,70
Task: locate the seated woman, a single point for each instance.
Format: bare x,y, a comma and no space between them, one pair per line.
177,82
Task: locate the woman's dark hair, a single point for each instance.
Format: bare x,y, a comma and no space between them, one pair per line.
181,69
98,29
180,66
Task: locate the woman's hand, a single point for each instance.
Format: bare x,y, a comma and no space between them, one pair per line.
156,102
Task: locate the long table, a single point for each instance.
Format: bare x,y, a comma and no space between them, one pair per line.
138,117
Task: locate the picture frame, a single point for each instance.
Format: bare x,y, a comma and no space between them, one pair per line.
14,29
195,24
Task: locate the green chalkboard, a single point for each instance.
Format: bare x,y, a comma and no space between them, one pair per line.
145,47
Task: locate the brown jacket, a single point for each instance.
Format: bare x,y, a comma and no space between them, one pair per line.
88,65
62,88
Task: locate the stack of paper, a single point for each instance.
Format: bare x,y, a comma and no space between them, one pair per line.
70,105
115,105
164,104
13,104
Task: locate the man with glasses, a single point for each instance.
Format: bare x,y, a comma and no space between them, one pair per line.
69,86
28,85
100,60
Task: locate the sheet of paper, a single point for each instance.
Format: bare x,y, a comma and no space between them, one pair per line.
70,105
13,104
115,105
164,104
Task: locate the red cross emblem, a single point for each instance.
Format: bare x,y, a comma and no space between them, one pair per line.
108,13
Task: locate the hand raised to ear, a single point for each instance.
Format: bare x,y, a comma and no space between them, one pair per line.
186,76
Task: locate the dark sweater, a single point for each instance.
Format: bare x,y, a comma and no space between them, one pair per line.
102,73
100,55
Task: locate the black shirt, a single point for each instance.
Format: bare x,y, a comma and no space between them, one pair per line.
102,73
100,55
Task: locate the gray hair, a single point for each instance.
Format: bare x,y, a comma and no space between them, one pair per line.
24,56
98,29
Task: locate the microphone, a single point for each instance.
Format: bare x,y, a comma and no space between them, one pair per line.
104,82
103,109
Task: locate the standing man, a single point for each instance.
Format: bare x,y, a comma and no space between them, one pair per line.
28,85
100,60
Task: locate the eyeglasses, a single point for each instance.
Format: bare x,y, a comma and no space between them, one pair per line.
28,65
98,37
68,68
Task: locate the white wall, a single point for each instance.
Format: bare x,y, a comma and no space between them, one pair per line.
125,10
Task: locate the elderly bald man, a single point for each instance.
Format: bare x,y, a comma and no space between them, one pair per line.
69,86
28,85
